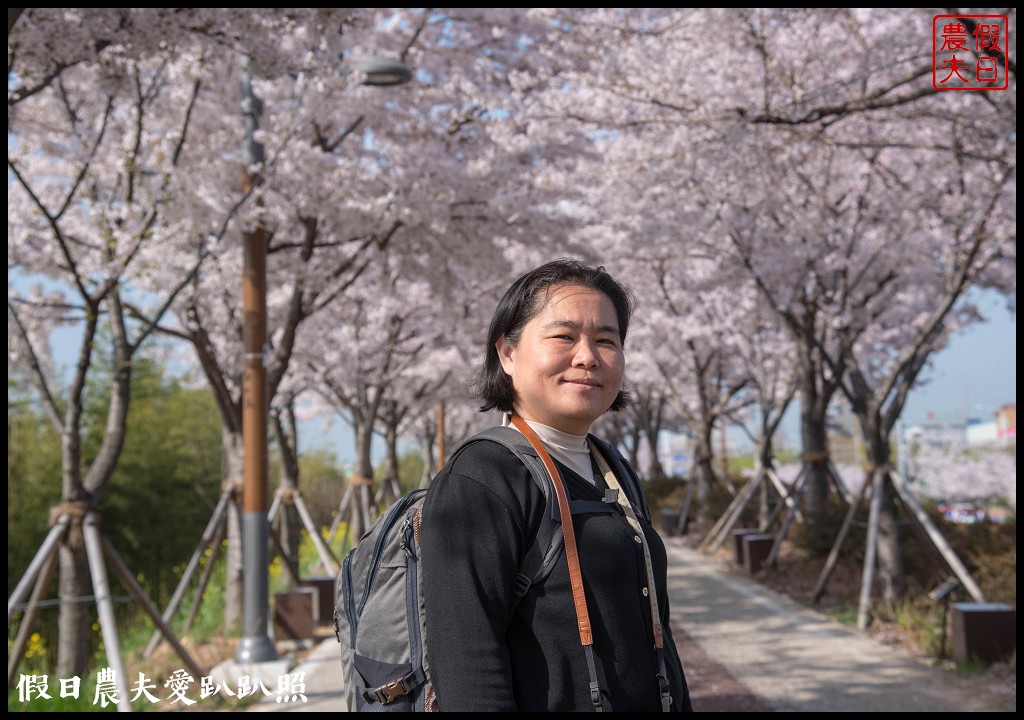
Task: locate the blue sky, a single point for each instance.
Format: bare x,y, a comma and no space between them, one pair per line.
975,374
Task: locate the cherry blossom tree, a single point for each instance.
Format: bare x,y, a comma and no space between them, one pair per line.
641,421
462,419
767,354
98,161
955,472
886,281
316,244
854,207
373,338
319,123
120,198
691,307
473,200
690,339
350,173
615,81
806,163
765,350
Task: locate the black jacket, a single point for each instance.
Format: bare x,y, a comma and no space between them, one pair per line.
480,515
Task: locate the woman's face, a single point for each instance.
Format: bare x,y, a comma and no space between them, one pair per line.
567,367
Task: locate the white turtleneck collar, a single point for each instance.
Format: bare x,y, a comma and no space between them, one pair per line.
571,450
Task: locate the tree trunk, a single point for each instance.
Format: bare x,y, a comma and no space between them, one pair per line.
656,469
291,524
74,618
704,475
767,461
814,436
891,572
233,463
391,461
634,435
429,459
364,472
613,432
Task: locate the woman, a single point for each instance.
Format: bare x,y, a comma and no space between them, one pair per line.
555,359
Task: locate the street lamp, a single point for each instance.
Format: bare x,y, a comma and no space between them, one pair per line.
380,71
256,645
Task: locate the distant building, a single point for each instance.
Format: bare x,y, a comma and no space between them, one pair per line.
934,434
980,433
1006,424
845,439
676,454
1002,430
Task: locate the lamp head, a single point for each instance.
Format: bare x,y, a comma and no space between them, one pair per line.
380,71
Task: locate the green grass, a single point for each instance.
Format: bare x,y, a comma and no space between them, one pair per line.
845,616
32,702
971,668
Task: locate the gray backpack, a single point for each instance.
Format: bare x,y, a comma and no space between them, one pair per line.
379,613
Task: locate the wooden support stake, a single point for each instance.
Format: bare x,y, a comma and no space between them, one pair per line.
327,559
108,626
136,591
31,613
720,530
938,540
833,556
193,564
47,546
871,552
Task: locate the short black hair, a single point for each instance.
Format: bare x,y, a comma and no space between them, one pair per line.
521,303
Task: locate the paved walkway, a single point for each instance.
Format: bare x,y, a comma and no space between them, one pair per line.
797,659
324,688
792,658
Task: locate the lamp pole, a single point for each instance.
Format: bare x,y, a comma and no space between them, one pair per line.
256,645
440,436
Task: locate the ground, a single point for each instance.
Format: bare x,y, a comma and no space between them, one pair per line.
713,687
795,578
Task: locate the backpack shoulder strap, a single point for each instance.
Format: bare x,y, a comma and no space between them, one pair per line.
546,548
625,474
552,539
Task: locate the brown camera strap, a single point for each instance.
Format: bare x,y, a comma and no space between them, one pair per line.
572,556
571,553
